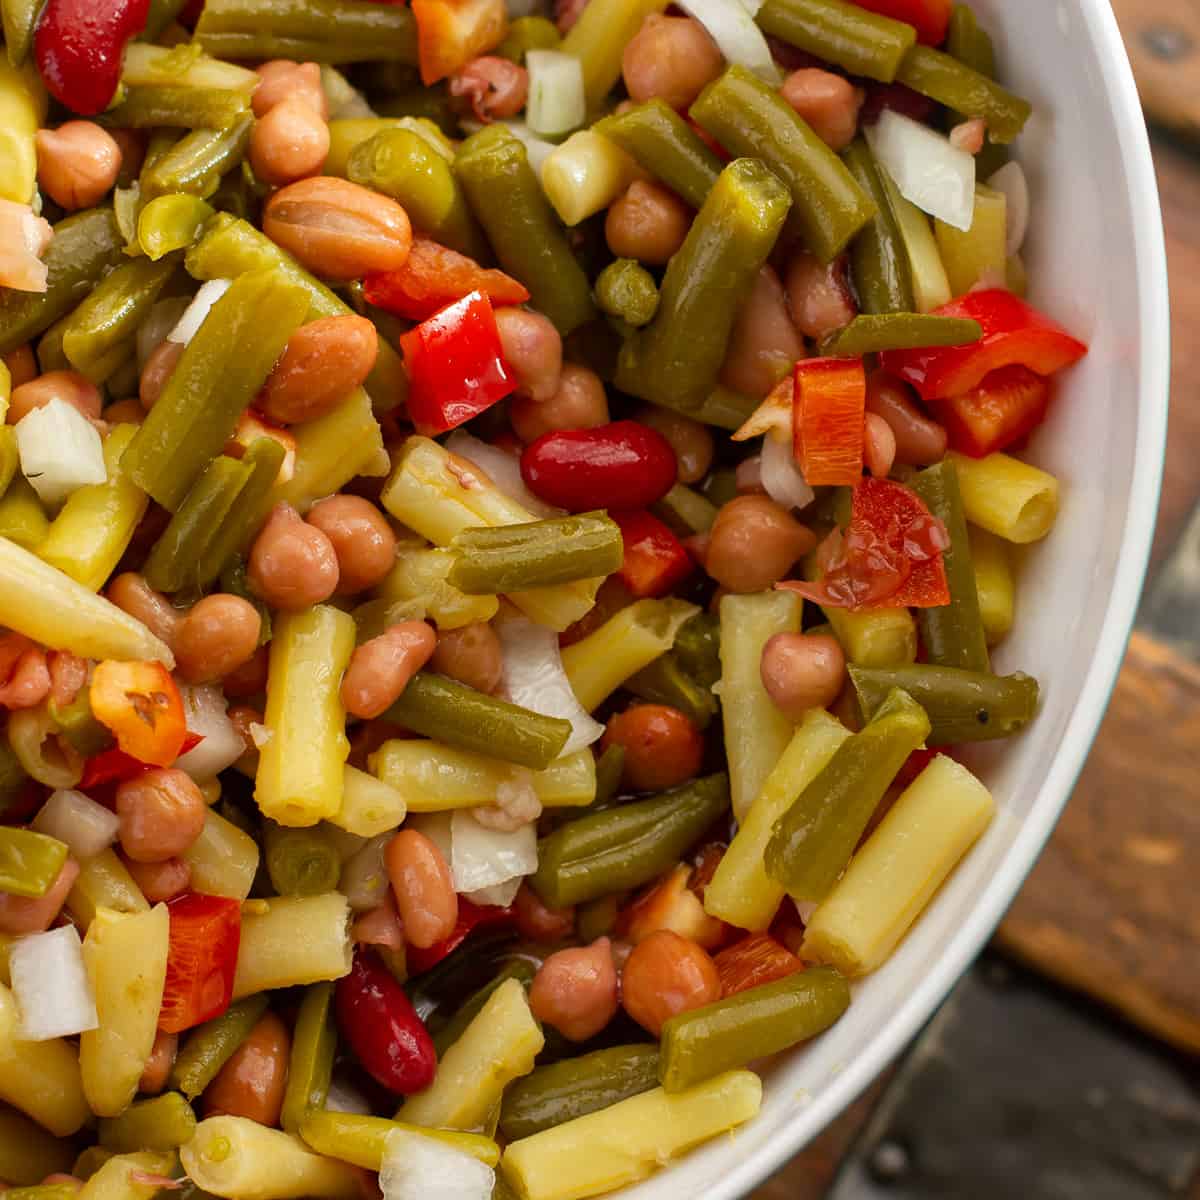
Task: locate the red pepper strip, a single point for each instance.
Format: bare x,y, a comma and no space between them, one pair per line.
930,18
1014,333
753,961
916,762
470,917
452,32
655,559
889,557
1008,405
78,47
456,366
434,277
115,766
829,406
205,933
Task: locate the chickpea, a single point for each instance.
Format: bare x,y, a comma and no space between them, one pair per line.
21,364
159,368
292,564
322,362
537,921
662,747
160,880
819,296
533,349
691,441
68,674
69,386
26,683
748,477
78,163
218,636
575,990
920,441
667,974
291,142
671,59
250,678
158,1066
252,1083
969,135
764,344
282,79
362,540
496,87
579,402
424,891
380,669
802,671
132,594
125,412
470,654
648,222
161,812
829,103
35,914
753,543
879,446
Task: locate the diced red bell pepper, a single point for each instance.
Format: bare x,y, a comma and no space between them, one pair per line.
456,366
1007,406
655,559
434,277
115,766
930,18
1014,334
452,32
140,704
829,401
753,961
470,917
205,933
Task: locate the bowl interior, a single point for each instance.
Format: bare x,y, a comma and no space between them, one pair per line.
1096,262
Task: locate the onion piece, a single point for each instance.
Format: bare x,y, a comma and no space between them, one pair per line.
502,468
931,173
781,476
417,1167
196,312
344,1097
1011,181
774,414
534,678
364,878
556,103
205,709
51,986
499,895
60,451
85,826
482,858
730,23
24,237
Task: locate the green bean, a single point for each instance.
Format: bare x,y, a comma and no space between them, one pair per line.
575,1087
171,223
858,41
163,1123
626,847
90,1161
45,1191
520,969
874,333
77,724
508,201
752,1024
686,510
747,117
162,13
427,104
953,634
627,291
403,165
970,44
157,106
676,359
13,779
362,1140
610,766
310,1067
664,144
493,561
698,647
963,706
83,248
9,457
958,87
220,372
457,715
29,862
22,519
665,681
879,262
197,162
112,313
812,842
300,862
27,1151
528,33
599,37
324,31
212,1045
20,22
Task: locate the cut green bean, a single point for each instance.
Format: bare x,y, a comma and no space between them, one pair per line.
686,511
610,766
528,33
860,42
13,779
45,1191
170,223
665,681
310,1067
300,862
9,457
444,1038
879,262
451,712
812,842
698,647
508,201
362,1140
626,847
958,87
746,116
197,162
162,13
874,333
676,359
159,106
163,1123
627,291
20,22
212,1045
969,43
22,518
599,37
963,706
29,862
749,1025
573,1088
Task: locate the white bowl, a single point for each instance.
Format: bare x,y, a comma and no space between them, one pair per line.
1097,263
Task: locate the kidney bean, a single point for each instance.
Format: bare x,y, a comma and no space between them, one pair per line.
802,671
162,813
920,441
291,142
648,222
764,344
754,543
382,1027
159,368
380,669
282,79
667,974
575,990
362,540
69,386
495,87
692,442
470,654
579,402
218,636
380,927
158,1065
252,1083
292,564
819,296
879,445
124,412
160,880
423,888
77,163
670,58
539,923
662,747
532,347
35,914
622,465
338,229
828,102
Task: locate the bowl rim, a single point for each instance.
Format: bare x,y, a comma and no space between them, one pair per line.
1084,724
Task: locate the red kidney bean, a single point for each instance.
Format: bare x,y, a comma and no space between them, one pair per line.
382,1027
622,465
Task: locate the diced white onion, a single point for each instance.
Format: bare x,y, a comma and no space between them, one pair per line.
344,1097
931,173
503,468
730,23
51,986
205,709
534,678
416,1167
196,312
482,858
781,476
60,451
556,103
501,895
85,826
1010,180
364,879
164,316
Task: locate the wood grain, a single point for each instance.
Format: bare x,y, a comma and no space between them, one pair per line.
1163,40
